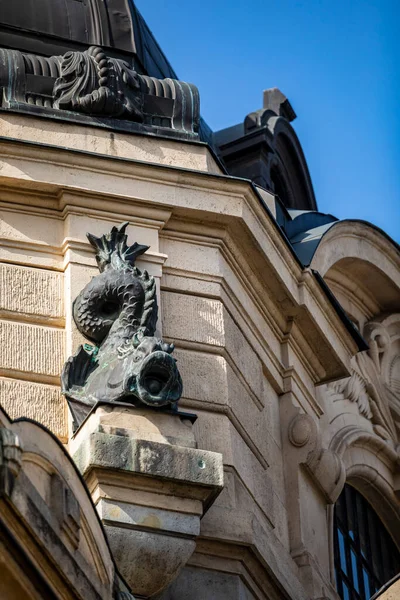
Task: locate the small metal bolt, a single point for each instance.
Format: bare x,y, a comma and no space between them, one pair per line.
202,464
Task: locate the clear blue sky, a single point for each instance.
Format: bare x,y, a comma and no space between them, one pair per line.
338,62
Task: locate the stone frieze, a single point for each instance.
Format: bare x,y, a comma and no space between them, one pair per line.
94,88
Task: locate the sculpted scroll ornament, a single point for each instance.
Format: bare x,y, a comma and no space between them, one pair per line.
373,384
92,83
117,311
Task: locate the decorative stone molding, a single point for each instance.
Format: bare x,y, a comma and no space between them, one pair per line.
94,84
323,465
372,466
300,430
48,521
374,384
307,462
383,337
10,460
151,486
66,508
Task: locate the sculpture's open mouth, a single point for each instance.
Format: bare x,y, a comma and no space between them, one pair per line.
158,381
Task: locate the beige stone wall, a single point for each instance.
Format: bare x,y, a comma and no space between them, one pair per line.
32,342
255,340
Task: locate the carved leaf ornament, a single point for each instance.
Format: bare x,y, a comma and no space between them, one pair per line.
373,384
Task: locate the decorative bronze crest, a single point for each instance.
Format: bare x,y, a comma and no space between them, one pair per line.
117,311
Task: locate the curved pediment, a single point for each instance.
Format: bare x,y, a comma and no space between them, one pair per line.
48,518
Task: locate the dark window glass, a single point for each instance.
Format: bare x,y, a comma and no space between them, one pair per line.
365,554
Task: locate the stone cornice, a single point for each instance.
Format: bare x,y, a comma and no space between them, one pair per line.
100,184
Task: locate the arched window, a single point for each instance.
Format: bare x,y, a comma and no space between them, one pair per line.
365,554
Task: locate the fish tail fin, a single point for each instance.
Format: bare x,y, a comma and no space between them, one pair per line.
113,245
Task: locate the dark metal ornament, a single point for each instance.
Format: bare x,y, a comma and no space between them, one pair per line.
117,311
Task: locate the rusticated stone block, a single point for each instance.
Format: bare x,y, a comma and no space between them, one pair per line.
43,403
209,378
206,321
244,356
193,319
215,432
31,291
31,348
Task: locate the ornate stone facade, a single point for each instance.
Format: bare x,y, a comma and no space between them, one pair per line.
285,326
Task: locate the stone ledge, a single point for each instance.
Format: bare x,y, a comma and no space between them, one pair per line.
150,493
183,465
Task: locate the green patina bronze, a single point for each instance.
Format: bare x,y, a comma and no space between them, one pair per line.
117,311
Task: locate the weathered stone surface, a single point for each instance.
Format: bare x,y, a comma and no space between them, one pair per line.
31,291
207,321
133,516
193,319
215,430
392,593
148,560
50,512
153,426
201,584
149,495
43,403
31,348
188,465
189,257
117,144
210,379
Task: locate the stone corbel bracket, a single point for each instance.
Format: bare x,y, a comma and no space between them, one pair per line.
151,487
93,88
323,465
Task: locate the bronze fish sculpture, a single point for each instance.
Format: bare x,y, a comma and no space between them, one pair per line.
117,311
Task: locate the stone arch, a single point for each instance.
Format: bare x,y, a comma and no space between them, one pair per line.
370,465
357,240
362,267
49,476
